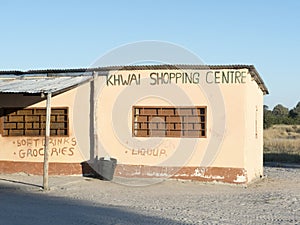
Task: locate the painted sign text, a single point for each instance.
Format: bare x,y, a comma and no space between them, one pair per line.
34,147
163,78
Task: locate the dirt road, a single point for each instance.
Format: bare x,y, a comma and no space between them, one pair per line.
79,200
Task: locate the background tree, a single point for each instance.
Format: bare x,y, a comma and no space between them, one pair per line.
280,110
295,113
269,118
281,115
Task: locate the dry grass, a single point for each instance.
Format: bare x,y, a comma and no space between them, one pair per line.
282,143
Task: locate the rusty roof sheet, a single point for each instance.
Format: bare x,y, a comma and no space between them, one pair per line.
37,85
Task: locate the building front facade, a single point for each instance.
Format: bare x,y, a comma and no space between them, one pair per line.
188,122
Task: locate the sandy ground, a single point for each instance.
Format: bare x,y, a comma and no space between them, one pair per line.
80,200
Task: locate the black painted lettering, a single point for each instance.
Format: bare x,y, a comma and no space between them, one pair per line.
188,78
166,81
237,77
196,78
109,81
243,79
160,78
225,77
178,76
217,78
124,81
232,76
118,80
209,78
172,76
152,77
137,79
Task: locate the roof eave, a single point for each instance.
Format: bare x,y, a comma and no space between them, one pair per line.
258,79
104,71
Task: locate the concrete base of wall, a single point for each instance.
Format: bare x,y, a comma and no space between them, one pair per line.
205,174
36,168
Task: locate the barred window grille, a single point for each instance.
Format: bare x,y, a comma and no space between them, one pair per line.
32,122
189,122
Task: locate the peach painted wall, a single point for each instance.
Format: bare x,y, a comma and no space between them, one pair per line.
254,131
25,148
101,123
114,118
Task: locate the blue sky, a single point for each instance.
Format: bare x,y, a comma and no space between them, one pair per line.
73,34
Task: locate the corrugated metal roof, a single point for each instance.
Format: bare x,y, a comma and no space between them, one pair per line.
105,70
36,85
128,67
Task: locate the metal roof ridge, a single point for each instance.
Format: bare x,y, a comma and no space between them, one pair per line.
87,71
112,67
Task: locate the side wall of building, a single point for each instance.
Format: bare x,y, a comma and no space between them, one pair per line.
254,131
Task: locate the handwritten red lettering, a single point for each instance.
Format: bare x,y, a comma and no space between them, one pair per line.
34,147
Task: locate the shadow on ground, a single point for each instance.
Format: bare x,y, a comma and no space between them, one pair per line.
18,206
281,158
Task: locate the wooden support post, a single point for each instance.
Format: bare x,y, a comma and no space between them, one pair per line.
95,93
46,148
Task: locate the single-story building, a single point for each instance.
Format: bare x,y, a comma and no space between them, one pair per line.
195,122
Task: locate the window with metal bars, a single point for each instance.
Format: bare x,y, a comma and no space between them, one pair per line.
189,122
32,122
